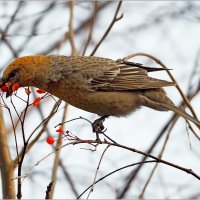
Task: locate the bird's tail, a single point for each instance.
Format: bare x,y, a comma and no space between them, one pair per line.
181,113
158,100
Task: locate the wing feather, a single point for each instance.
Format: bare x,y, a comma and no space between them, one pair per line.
102,74
127,77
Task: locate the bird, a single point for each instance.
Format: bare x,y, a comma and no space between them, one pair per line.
95,84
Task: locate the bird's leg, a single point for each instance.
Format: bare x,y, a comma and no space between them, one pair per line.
98,127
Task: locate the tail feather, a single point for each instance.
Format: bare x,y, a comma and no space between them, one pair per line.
158,100
181,113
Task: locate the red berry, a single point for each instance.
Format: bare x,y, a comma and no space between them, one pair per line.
15,87
4,88
60,130
40,91
36,102
50,140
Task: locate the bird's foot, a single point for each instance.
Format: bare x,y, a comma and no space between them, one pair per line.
98,127
98,138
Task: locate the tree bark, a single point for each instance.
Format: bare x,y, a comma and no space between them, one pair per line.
6,164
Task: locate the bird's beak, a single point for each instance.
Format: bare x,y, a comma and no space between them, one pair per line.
3,82
8,93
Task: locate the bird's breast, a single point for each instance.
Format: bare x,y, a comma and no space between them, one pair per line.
101,103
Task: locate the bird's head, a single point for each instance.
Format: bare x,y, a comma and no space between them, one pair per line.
11,74
26,71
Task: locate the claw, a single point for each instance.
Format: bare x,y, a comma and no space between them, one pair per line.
98,127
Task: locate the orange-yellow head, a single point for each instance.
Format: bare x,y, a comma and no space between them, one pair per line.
27,71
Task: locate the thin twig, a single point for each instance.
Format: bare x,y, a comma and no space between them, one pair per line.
195,71
98,166
92,142
44,122
60,124
69,178
91,27
77,31
71,29
57,155
49,188
9,24
20,163
57,104
115,19
119,169
141,196
14,131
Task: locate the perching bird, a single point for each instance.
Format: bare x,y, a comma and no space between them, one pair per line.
98,85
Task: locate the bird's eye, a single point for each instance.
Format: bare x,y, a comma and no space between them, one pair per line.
12,74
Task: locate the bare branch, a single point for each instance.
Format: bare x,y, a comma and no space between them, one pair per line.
91,27
6,164
71,29
57,155
49,188
115,19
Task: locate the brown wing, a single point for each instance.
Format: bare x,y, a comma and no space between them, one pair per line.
126,77
102,74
